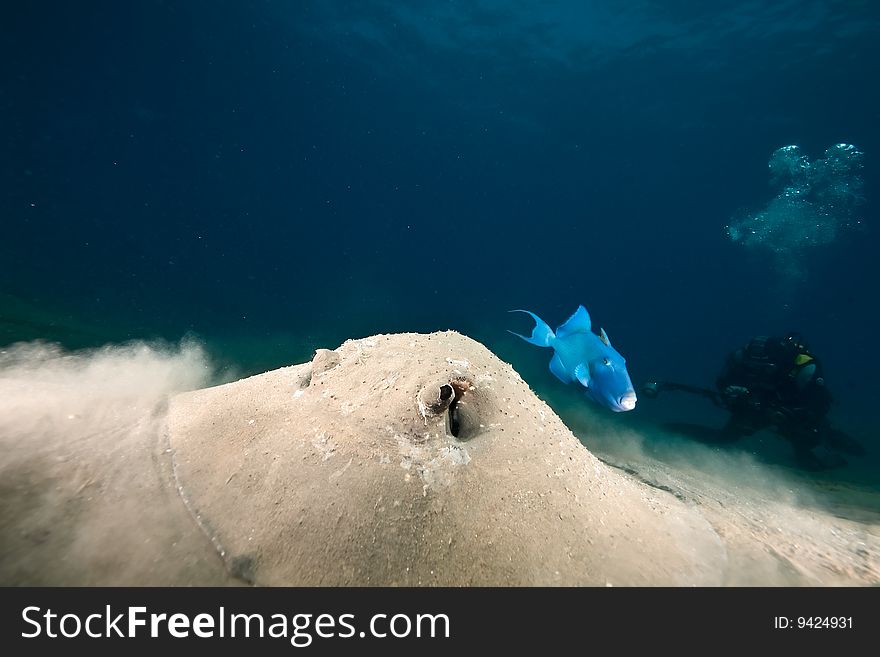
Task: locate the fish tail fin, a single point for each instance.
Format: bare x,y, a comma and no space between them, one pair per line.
542,335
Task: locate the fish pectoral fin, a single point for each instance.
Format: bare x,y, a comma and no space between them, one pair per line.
582,374
559,370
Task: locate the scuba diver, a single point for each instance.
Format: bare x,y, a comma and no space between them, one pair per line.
775,383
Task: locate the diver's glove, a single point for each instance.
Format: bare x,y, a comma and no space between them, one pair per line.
735,396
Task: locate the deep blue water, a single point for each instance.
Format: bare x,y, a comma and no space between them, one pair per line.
279,176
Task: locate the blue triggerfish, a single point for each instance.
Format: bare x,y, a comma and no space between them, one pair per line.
582,356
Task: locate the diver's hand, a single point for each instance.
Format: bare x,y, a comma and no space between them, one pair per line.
735,395
735,391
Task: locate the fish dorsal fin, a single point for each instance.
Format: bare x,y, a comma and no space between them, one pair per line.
603,336
582,374
577,323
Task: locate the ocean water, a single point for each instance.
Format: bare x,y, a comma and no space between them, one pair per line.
269,177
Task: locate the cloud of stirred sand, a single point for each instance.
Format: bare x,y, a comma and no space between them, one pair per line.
682,463
79,437
46,392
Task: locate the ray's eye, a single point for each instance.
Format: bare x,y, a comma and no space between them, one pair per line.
607,362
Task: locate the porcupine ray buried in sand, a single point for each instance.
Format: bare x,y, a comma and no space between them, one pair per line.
581,355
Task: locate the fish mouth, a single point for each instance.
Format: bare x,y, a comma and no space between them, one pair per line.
627,402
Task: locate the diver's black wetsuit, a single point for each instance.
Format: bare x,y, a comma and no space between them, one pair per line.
777,382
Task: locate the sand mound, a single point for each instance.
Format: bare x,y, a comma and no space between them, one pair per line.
354,470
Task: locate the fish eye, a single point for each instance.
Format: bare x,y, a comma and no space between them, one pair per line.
607,361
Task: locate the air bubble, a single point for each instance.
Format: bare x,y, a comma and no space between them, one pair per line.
815,203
